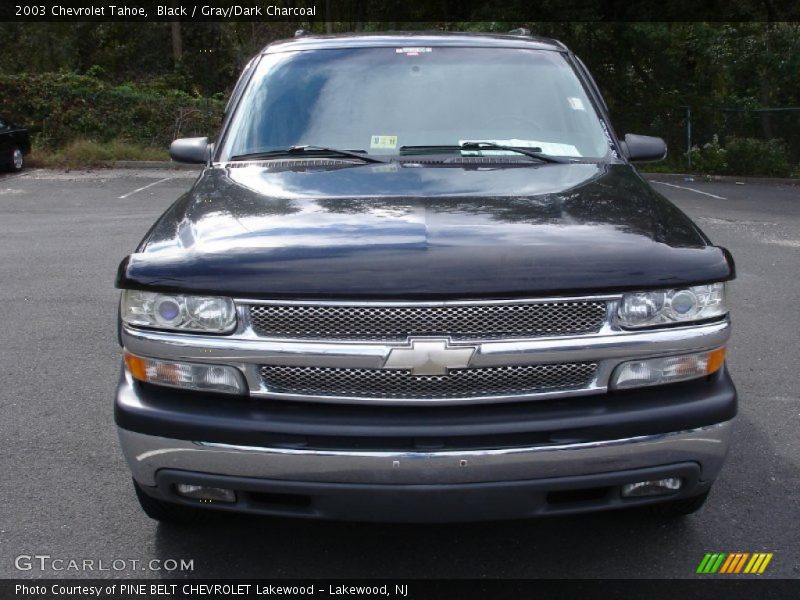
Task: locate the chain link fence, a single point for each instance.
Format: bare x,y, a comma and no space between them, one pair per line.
736,141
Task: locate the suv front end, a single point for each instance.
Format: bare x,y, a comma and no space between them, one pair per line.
310,413
455,325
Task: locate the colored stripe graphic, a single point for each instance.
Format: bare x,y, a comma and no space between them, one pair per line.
758,564
732,560
764,564
740,564
711,562
752,563
728,564
718,564
703,563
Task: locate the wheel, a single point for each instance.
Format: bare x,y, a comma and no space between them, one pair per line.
169,512
676,508
16,159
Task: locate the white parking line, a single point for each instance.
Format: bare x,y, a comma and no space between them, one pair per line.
681,187
144,187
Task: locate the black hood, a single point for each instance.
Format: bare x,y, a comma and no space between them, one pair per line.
280,229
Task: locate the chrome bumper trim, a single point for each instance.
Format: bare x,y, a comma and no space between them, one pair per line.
607,348
389,303
228,349
147,454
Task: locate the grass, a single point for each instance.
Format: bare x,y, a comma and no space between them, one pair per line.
86,153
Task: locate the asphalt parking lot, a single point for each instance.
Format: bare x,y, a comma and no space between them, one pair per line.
66,491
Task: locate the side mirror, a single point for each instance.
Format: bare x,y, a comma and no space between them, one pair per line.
190,150
644,147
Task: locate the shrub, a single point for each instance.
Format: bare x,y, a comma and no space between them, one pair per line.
766,158
743,156
62,107
710,158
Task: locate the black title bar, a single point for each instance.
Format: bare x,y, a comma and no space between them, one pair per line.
398,11
493,589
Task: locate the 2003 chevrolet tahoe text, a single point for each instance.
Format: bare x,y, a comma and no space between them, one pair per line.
419,279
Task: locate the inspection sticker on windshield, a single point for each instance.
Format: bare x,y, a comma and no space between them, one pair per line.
575,103
412,51
387,142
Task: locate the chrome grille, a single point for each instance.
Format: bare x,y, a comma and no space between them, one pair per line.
457,321
458,383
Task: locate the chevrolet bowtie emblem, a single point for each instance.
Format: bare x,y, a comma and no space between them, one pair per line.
429,357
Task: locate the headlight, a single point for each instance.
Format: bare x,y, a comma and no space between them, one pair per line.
182,313
683,305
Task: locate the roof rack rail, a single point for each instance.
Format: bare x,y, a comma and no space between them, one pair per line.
521,31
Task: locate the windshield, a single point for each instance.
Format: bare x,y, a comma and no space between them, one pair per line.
379,100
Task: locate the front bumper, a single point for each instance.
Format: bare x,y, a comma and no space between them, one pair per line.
429,486
513,460
146,455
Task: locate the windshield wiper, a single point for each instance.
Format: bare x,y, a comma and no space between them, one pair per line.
532,152
297,150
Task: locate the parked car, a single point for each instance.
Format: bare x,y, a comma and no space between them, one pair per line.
420,279
14,145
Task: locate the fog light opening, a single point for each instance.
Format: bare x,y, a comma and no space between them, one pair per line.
655,487
205,493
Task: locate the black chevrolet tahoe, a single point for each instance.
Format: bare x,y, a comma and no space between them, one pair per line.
419,279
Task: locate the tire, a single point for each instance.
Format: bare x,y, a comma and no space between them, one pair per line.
676,508
16,159
169,512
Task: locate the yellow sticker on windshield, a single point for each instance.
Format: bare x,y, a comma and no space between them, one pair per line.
383,141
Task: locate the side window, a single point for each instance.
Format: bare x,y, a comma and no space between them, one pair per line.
3,125
590,77
240,83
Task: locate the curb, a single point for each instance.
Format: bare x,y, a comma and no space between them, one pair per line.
150,164
721,178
